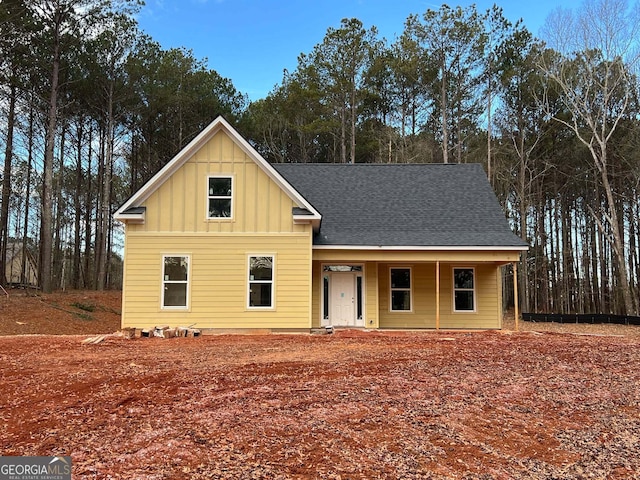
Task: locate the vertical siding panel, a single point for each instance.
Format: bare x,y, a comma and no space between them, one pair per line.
240,224
153,212
275,206
178,201
251,198
202,169
227,149
262,207
259,204
190,189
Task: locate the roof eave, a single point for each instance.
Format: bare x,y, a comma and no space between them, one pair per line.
454,248
138,218
313,219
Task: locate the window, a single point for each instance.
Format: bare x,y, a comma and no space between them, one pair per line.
342,268
463,290
359,301
219,196
261,282
325,297
400,289
175,281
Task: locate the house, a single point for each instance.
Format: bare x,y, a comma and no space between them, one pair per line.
18,258
221,239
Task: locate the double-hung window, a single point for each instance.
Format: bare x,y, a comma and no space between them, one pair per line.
400,289
175,281
219,196
261,289
464,290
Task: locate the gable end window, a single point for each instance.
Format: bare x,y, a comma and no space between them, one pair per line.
175,281
400,289
260,294
219,196
464,295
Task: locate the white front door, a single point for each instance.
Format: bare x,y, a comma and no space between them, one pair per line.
343,299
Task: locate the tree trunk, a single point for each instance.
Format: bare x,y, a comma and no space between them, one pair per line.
46,234
353,122
106,194
87,215
77,207
6,185
25,232
443,104
58,257
617,240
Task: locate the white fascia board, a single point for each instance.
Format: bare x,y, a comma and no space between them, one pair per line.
129,217
449,248
187,152
307,218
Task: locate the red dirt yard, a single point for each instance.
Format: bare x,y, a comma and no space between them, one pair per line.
355,404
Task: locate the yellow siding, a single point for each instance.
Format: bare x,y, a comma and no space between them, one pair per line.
179,204
219,281
372,319
176,223
487,314
316,288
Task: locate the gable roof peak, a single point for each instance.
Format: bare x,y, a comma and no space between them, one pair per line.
217,125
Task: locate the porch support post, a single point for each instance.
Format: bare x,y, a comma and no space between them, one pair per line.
515,294
438,295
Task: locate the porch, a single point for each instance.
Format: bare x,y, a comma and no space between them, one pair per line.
415,290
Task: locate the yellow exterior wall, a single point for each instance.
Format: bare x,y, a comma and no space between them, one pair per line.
218,283
176,224
262,224
488,309
180,203
317,286
371,299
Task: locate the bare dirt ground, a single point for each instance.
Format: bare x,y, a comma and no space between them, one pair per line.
60,313
356,405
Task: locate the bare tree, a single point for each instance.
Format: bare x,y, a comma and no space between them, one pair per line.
596,55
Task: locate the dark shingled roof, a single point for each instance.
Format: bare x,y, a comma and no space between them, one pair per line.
438,205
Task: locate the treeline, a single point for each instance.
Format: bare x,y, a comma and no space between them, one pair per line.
92,108
555,124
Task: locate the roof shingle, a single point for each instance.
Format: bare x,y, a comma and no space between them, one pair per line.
430,205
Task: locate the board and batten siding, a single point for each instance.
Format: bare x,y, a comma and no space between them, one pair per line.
488,314
176,224
180,203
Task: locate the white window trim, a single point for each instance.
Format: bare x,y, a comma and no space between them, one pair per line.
208,197
272,281
454,289
392,289
163,282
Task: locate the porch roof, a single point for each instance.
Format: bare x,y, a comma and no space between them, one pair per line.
423,205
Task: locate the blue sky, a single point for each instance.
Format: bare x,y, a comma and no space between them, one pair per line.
251,42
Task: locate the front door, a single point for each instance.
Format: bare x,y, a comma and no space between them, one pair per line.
343,296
